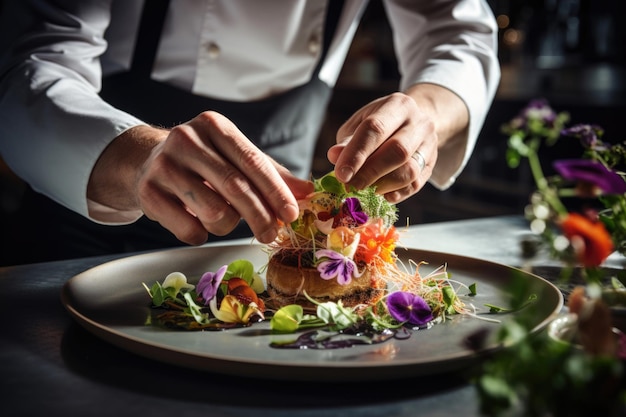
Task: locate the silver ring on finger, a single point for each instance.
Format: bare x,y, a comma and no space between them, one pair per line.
419,158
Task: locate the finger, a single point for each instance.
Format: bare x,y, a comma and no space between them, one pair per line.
175,203
405,180
368,136
402,194
214,213
334,151
420,160
299,187
189,169
260,198
411,175
172,215
246,157
378,122
395,170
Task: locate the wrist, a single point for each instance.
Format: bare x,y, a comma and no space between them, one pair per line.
113,179
444,108
451,118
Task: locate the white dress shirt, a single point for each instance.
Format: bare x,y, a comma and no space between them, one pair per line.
54,126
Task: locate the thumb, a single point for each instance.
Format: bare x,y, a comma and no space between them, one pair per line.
334,151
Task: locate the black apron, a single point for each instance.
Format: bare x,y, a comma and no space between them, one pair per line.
285,126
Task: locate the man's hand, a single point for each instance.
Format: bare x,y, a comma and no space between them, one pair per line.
383,142
197,178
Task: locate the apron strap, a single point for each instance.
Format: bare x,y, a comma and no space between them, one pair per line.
148,36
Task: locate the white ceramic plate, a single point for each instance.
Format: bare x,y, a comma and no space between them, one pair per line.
110,301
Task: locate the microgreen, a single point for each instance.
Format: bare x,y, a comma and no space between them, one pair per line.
449,298
196,310
291,318
499,309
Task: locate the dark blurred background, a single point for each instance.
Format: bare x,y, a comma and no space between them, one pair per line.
570,52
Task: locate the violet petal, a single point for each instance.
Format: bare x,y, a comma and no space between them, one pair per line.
410,308
353,207
209,283
591,172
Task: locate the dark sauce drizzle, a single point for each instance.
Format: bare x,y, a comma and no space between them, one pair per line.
352,336
322,338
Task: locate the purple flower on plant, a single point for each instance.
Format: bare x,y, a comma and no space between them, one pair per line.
352,207
589,135
592,172
539,109
406,307
209,284
336,265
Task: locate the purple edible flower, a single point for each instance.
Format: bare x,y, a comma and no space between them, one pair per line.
352,207
592,172
406,307
337,266
209,283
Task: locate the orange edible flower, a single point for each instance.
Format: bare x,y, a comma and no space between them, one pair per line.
376,242
591,241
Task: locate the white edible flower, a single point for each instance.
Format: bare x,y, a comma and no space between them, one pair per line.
177,281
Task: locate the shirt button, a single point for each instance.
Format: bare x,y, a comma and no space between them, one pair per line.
315,43
213,50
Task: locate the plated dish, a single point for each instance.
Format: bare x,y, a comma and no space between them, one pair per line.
110,302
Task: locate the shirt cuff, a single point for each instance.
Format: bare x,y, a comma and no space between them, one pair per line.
99,213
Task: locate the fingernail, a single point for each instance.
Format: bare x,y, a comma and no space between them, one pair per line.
289,213
346,174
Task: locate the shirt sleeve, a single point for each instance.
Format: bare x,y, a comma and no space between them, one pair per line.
452,44
53,123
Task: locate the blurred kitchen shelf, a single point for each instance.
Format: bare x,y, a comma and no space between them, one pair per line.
597,84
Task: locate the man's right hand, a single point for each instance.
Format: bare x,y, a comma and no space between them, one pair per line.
200,177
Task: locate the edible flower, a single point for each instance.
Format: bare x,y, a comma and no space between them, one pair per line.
343,240
351,210
177,281
337,217
591,242
210,282
406,307
231,310
336,265
337,262
378,242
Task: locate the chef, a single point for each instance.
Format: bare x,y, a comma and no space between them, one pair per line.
139,125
